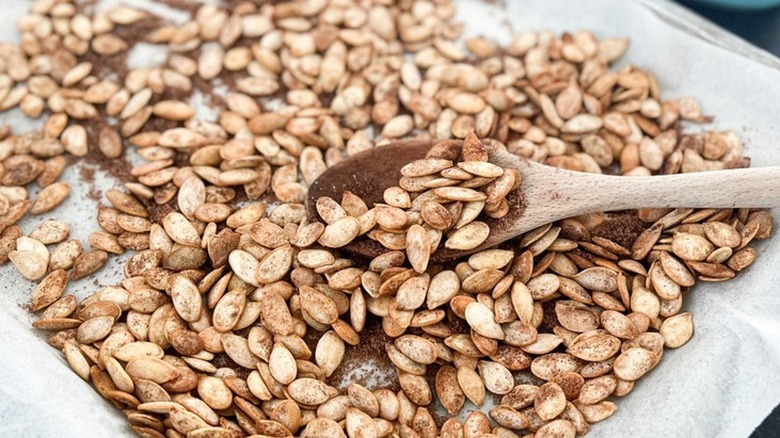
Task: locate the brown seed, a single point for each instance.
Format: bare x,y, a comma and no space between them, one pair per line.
642,300
468,237
282,364
329,210
416,388
448,390
110,143
318,305
135,350
556,429
466,103
173,110
94,329
288,414
64,255
237,348
634,363
436,215
398,126
664,286
677,330
275,265
214,392
358,423
180,229
721,234
105,242
186,342
152,369
315,258
211,432
61,308
49,290
397,197
550,401
228,310
481,168
76,359
597,279
186,298
459,194
310,392
418,349
597,389
340,233
56,324
575,316
329,352
402,361
363,399
581,124
548,365
185,421
192,195
482,320
353,204
597,412
742,259
509,418
50,197
691,247
244,265
126,203
617,324
498,379
323,427
471,385
87,263
543,286
418,248
74,140
390,218
675,270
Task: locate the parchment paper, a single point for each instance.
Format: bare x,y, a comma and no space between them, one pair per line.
720,385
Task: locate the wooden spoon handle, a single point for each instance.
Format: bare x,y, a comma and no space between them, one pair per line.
758,187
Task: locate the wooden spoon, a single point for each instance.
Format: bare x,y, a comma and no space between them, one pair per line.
546,194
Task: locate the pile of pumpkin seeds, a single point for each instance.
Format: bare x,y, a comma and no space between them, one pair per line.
205,337
434,195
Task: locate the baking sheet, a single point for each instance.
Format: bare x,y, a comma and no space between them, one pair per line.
720,385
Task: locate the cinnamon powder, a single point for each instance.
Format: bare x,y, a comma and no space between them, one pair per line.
621,227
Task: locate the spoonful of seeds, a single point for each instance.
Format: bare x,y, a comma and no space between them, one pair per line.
439,201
